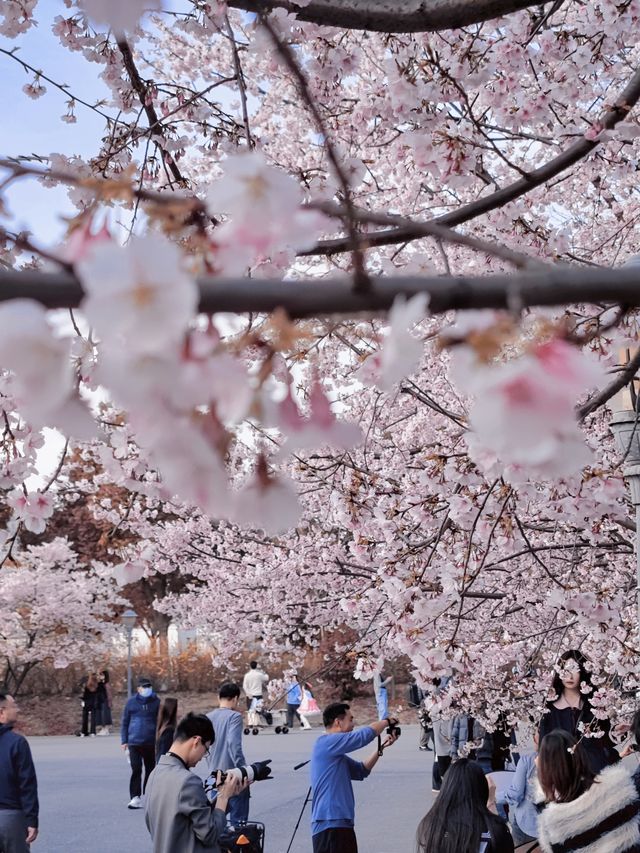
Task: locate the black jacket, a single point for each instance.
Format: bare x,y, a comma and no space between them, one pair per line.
18,784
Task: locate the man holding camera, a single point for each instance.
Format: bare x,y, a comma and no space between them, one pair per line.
332,771
177,812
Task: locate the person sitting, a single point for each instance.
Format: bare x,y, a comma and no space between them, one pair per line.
460,821
585,812
521,798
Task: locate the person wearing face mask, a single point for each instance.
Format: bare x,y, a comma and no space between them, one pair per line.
138,735
571,711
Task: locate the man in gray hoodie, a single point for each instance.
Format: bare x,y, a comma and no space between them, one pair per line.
227,749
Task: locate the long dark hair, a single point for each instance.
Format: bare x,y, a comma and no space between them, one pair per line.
585,675
459,816
167,715
563,767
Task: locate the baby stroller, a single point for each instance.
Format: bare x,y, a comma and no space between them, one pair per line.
244,838
257,717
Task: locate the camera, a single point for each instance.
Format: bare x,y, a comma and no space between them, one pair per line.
256,772
393,729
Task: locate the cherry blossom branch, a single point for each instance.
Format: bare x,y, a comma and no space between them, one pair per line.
62,86
147,104
598,399
536,178
354,241
427,229
390,16
558,285
242,88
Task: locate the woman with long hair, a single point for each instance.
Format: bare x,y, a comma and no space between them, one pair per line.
583,811
459,821
89,705
103,712
166,726
571,711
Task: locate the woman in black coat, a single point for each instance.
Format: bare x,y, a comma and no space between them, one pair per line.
571,708
89,705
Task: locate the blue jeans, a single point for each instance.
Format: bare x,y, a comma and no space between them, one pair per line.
382,703
239,808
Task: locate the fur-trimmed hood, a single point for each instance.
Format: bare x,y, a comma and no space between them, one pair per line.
605,819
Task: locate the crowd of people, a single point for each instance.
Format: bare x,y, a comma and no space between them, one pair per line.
572,794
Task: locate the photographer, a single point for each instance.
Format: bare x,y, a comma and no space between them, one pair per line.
332,771
177,812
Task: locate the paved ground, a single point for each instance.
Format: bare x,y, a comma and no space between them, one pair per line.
83,786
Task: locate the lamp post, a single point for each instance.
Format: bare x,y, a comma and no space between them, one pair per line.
625,426
128,620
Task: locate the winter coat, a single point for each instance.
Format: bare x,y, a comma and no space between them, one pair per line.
18,784
90,698
605,819
600,750
139,719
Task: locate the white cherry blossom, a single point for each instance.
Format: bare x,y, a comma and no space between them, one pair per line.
138,296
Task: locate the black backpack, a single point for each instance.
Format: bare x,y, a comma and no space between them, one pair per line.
415,695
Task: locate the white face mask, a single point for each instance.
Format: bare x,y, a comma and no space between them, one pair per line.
145,692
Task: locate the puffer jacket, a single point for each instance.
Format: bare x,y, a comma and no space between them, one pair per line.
139,720
604,818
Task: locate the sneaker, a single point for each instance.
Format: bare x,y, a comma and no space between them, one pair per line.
135,803
93,734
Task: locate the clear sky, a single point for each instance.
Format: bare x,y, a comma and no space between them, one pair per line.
35,126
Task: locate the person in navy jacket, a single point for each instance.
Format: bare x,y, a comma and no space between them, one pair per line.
18,784
138,735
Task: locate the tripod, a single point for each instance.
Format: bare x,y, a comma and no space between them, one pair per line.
304,805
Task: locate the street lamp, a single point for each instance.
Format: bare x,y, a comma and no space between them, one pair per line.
625,426
128,619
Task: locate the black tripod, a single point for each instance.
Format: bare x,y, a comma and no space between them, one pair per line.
304,805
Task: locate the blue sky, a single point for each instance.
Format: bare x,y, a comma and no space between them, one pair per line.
35,126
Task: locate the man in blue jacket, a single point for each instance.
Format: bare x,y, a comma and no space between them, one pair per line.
18,784
138,735
332,771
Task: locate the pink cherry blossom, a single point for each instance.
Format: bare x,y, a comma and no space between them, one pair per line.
32,508
119,14
320,429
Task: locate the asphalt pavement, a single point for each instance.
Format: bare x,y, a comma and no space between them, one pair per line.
84,790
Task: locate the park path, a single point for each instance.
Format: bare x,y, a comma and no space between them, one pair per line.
83,786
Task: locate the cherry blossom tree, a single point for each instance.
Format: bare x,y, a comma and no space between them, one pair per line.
52,611
358,329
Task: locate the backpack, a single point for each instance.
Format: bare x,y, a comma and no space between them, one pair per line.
414,696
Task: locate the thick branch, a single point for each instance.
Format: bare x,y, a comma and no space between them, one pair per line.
576,152
559,285
601,397
391,16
